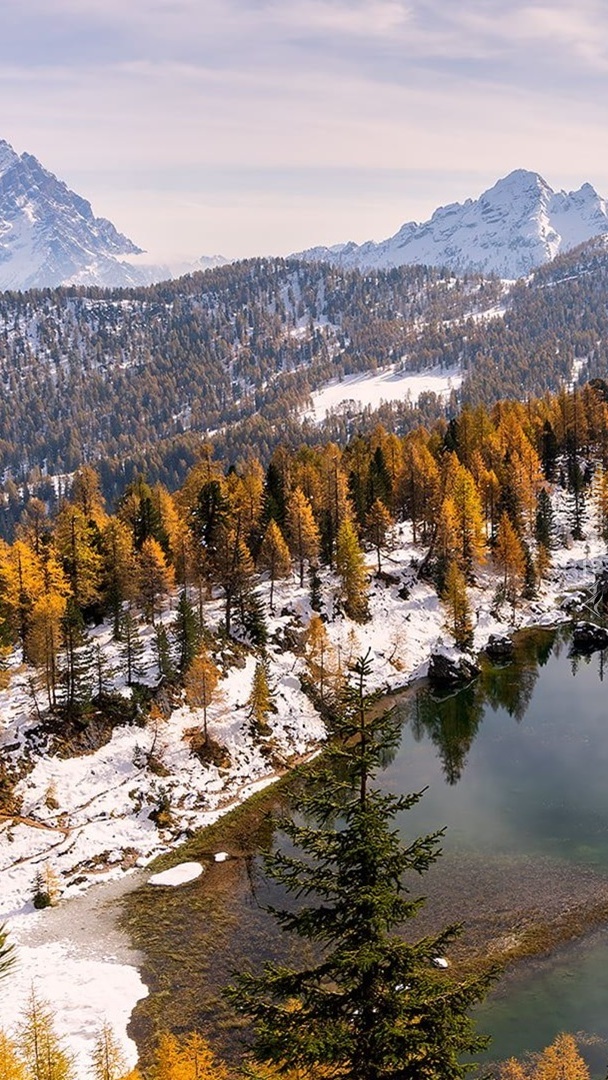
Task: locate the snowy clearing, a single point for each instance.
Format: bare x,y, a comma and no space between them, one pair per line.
390,384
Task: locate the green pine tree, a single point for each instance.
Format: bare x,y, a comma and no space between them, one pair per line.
7,952
131,648
187,632
164,660
78,669
374,1007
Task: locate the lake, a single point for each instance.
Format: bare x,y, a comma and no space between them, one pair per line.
516,766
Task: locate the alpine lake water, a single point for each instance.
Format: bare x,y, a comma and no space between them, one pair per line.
516,768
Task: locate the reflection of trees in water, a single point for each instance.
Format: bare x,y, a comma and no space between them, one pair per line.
512,687
452,723
599,658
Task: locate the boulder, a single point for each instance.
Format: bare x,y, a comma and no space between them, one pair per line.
447,675
500,649
588,638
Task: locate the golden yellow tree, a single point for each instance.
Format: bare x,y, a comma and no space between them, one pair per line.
21,583
86,495
155,577
187,1058
44,1054
107,1060
561,1061
468,520
260,702
200,684
378,528
302,532
76,542
510,560
12,1066
44,639
513,1070
354,580
274,556
460,623
321,659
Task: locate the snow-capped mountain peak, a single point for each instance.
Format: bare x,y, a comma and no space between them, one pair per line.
512,228
48,233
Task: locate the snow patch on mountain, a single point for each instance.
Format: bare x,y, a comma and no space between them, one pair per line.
514,227
372,389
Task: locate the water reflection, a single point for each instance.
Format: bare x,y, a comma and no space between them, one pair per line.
452,723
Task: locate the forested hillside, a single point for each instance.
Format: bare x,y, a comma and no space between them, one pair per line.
130,379
128,368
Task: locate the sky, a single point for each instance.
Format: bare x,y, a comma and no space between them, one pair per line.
252,127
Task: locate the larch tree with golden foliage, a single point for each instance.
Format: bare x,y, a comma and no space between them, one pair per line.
155,578
559,1061
186,1058
321,659
274,556
510,560
302,531
200,684
260,702
354,579
12,1066
460,623
378,528
108,1061
44,1054
77,543
469,521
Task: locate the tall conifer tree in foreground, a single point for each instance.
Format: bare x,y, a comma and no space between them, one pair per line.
7,952
374,1006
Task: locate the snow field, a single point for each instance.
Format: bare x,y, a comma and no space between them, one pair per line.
373,388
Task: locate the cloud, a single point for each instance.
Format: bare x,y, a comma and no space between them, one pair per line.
195,102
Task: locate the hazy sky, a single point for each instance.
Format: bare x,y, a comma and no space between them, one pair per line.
263,126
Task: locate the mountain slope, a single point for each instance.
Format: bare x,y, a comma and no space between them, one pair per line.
512,228
49,234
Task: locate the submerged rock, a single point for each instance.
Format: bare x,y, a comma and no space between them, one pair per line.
588,638
446,674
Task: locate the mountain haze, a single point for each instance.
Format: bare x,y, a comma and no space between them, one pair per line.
510,230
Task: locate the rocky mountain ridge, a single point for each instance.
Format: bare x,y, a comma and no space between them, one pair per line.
516,226
49,236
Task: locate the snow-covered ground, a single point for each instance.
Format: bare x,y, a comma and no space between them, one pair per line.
374,388
87,818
